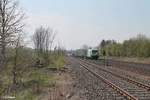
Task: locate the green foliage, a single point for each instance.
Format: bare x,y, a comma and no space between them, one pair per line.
26,95
31,81
39,78
35,84
57,61
134,47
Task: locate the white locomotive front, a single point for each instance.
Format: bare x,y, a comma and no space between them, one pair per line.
92,54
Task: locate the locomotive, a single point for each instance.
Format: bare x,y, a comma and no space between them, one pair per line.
87,53
92,54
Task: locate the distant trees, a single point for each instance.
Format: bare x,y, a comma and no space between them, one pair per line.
11,18
43,40
134,47
106,44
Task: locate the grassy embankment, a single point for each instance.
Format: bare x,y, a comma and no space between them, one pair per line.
33,83
132,59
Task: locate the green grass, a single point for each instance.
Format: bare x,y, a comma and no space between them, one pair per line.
26,95
35,81
57,62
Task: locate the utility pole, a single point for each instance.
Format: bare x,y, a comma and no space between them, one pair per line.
105,59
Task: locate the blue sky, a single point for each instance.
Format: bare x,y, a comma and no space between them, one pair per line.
81,22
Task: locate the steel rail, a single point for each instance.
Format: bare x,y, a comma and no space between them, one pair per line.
124,93
139,84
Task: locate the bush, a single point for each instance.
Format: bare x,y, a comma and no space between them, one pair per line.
134,47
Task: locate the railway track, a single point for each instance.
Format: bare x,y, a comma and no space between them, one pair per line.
128,88
141,68
139,84
90,87
126,73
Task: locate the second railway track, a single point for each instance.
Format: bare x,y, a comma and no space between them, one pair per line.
139,84
128,88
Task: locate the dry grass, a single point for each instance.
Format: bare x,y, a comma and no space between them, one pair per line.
132,59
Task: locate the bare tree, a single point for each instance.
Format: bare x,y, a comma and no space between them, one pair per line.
11,17
43,40
17,46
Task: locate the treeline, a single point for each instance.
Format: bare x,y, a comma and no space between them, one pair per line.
135,47
43,39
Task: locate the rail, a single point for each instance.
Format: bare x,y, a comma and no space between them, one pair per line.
113,86
139,84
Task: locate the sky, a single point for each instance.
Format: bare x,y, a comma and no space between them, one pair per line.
80,22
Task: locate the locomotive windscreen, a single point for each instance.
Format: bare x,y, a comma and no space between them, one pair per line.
94,51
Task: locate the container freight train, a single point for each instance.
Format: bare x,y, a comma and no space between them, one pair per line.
89,53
